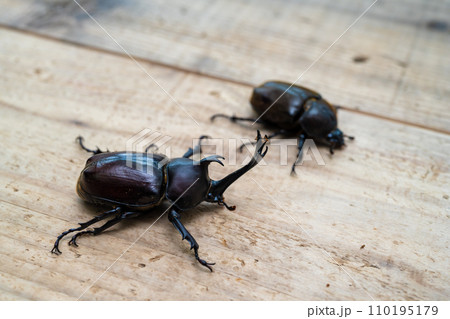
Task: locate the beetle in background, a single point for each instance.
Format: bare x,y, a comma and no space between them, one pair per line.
294,110
133,183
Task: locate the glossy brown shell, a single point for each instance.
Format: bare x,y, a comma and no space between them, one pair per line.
318,119
287,107
130,180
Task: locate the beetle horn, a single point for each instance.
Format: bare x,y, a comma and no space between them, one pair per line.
212,158
219,187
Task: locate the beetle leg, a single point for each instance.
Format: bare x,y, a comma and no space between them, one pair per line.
197,149
98,218
174,218
280,132
80,141
153,145
221,202
234,118
332,146
301,141
105,226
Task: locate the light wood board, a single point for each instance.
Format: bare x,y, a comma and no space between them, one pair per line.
371,223
405,77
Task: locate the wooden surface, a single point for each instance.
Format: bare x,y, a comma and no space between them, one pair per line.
372,223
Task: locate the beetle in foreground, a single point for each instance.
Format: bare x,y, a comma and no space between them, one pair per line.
134,183
294,110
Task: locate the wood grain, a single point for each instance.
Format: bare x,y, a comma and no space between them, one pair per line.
403,71
289,237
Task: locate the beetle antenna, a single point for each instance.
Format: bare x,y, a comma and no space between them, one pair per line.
349,137
221,202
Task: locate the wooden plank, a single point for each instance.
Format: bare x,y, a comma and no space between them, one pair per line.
403,71
9,296
384,191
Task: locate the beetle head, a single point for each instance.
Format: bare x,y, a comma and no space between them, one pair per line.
336,139
188,181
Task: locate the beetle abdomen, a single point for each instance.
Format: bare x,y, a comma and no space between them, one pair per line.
133,180
281,103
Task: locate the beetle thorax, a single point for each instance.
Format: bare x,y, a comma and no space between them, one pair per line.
188,182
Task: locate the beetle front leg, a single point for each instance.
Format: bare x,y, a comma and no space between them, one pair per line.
80,141
197,149
332,146
301,142
174,218
98,218
280,132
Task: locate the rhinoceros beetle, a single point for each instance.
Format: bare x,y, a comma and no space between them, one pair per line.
294,110
134,183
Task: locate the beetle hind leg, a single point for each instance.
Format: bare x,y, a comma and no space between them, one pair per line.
174,218
80,141
105,226
98,218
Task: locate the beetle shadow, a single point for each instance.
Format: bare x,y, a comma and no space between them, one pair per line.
189,216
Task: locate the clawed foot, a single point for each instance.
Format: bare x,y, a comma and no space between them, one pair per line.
80,141
73,241
206,264
261,146
257,140
56,250
293,172
201,261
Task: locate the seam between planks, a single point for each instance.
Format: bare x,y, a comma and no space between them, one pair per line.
106,129
123,55
194,72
